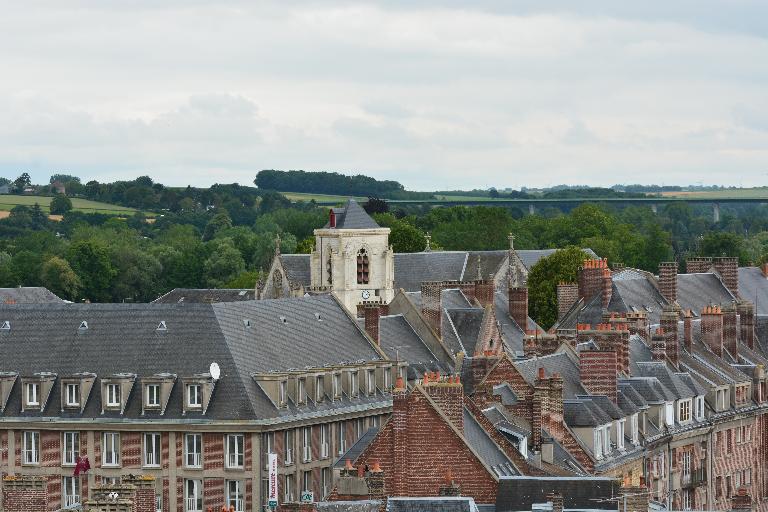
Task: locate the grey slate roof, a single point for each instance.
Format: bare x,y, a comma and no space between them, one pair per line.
467,323
357,448
29,295
353,216
348,506
205,295
579,413
670,381
486,448
753,286
581,493
605,405
411,269
558,362
297,268
125,338
432,504
400,342
696,291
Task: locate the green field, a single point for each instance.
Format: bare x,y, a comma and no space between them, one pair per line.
7,202
301,196
739,193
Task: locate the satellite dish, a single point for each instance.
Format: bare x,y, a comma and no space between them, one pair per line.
215,371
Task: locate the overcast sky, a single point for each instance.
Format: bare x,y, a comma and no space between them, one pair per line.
437,94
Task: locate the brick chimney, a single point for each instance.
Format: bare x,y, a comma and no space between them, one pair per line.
668,280
731,330
597,369
518,306
400,437
607,287
669,318
484,292
448,393
144,495
659,345
567,296
372,315
688,331
22,493
746,311
712,328
728,268
540,408
590,278
635,497
698,265
431,303
637,322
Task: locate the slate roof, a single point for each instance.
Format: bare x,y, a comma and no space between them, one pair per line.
467,323
753,286
357,448
696,291
125,338
432,504
411,269
485,447
353,216
671,381
29,295
205,295
579,413
348,506
519,493
558,362
297,268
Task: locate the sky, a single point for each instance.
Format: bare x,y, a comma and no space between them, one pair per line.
437,94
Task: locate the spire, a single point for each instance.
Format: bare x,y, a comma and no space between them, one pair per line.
277,244
512,271
428,238
479,269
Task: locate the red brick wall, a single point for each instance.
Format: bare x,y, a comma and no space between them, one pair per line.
728,268
730,329
728,457
54,492
213,493
450,399
3,448
518,306
712,328
213,451
567,295
597,369
25,500
130,445
502,372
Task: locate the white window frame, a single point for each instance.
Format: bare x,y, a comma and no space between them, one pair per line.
193,495
235,451
319,388
152,395
33,394
669,414
325,482
684,411
289,485
111,457
70,448
325,441
72,394
152,450
194,396
113,395
306,444
70,491
30,448
685,464
700,408
597,441
635,426
289,441
342,437
193,459
306,480
235,495
620,434
387,379
607,439
336,385
370,382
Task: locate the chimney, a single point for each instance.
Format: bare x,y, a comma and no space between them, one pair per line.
728,268
375,480
607,287
555,403
448,394
400,443
668,280
712,329
637,321
540,408
688,331
144,496
567,296
669,318
731,330
590,276
518,306
746,311
484,292
659,345
449,487
698,265
372,321
25,493
332,219
634,498
431,307
556,499
597,369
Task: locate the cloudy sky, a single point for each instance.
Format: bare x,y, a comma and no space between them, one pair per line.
437,94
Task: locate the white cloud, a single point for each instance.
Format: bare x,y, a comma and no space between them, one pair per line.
439,94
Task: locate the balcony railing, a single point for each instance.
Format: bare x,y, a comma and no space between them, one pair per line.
695,478
194,505
70,500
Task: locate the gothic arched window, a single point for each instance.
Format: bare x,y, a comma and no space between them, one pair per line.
362,267
329,267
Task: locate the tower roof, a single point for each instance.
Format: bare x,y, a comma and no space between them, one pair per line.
353,216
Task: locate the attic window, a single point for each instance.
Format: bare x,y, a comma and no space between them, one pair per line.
6,326
83,325
247,322
161,326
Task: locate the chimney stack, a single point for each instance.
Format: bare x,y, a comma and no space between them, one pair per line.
448,394
728,268
431,307
597,369
540,408
668,280
372,322
731,330
518,306
590,277
607,287
698,265
742,501
567,296
746,311
659,345
688,331
669,318
712,328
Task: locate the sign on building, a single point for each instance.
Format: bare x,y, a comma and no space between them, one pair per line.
307,497
272,481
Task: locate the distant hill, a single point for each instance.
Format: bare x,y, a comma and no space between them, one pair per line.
333,183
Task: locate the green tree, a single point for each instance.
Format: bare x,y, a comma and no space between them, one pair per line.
403,236
245,279
218,222
224,263
543,278
60,204
306,246
90,259
57,275
22,182
721,244
138,273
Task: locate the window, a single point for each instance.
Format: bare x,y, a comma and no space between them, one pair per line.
110,451
319,388
324,442
686,495
387,379
235,450
152,450
194,396
306,481
746,478
326,481
362,267
193,447
700,408
288,447
748,433
306,444
283,392
73,395
33,394
685,465
354,385
721,399
739,437
737,480
635,429
31,450
153,395
669,413
288,495
70,491
268,446
370,382
620,434
158,502
301,391
342,438
113,395
235,495
598,442
684,411
607,439
193,492
336,385
373,421
359,428
70,449
110,480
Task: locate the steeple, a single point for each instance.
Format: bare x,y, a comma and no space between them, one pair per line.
428,238
277,244
512,272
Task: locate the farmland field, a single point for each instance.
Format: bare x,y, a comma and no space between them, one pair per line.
740,193
7,202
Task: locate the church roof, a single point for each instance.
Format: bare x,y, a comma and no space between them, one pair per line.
353,216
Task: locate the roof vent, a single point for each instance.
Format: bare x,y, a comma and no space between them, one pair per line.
242,292
317,315
6,326
83,325
247,323
161,326
283,319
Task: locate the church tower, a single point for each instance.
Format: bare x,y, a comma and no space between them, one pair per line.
353,259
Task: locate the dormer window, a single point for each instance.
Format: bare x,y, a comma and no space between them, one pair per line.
319,388
113,395
684,411
700,408
370,382
33,394
336,385
283,393
301,391
387,379
73,394
194,396
153,395
354,385
362,267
